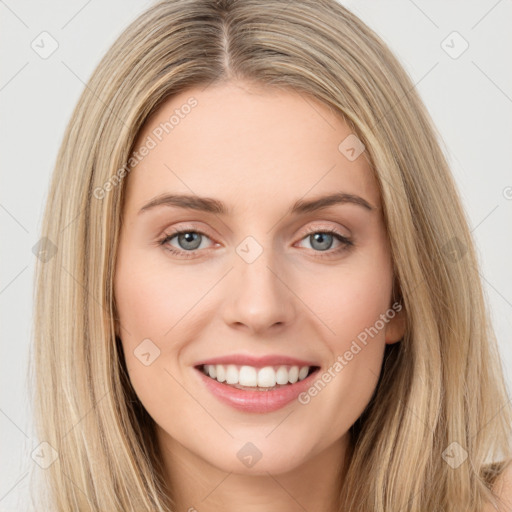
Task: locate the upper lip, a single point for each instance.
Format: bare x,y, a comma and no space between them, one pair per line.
257,362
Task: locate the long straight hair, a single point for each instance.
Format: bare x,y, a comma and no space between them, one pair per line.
441,394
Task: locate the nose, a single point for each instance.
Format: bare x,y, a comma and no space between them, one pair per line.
259,298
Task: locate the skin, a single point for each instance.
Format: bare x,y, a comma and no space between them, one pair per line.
258,150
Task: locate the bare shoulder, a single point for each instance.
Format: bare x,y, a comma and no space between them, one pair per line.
503,489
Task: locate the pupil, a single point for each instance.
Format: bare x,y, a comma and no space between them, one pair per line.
188,238
319,237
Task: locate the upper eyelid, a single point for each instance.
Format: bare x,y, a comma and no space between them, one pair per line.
187,229
346,242
204,231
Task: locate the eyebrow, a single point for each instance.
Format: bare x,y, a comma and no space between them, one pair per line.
211,205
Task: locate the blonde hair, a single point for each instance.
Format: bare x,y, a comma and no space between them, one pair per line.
442,384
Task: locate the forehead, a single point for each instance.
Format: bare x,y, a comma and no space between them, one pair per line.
248,146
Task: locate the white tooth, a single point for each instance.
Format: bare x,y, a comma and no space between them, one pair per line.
221,372
232,374
282,375
266,377
293,374
248,376
303,373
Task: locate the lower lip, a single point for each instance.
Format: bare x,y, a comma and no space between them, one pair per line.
256,401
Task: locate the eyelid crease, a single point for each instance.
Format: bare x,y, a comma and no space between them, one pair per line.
346,242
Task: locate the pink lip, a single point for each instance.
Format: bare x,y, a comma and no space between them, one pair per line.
256,401
257,362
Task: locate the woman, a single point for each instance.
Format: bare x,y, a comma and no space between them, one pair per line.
265,293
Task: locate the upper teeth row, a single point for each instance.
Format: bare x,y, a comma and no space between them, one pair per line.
265,377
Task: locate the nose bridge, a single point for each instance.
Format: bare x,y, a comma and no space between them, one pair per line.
255,262
258,297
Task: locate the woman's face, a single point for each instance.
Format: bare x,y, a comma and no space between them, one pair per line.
269,275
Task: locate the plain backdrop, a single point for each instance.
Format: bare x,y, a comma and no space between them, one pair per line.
458,54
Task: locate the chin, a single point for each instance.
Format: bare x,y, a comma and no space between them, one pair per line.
257,455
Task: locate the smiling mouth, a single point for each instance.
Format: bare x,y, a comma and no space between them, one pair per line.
249,378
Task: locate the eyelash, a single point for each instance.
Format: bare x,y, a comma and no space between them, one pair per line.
346,242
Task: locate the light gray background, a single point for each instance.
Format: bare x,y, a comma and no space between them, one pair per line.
469,98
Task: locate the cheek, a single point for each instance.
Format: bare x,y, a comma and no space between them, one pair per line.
152,297
149,303
350,298
165,304
352,302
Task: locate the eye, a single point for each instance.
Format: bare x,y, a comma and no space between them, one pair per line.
321,240
188,240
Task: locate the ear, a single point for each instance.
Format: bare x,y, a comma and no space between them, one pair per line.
395,328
